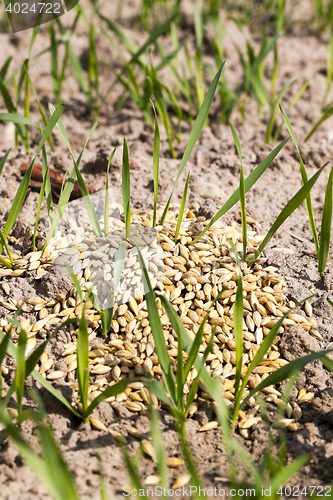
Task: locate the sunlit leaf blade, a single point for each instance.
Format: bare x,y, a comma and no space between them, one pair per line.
14,118
287,211
20,368
4,159
31,363
157,332
11,109
42,467
249,182
326,226
285,372
325,116
48,191
61,480
161,393
182,207
88,203
198,490
126,189
195,132
263,349
83,361
113,390
4,243
68,188
156,161
308,201
238,332
285,473
4,346
276,105
107,200
157,442
22,190
327,362
107,314
241,190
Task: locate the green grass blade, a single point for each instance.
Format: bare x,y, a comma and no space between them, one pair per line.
271,121
182,207
41,110
198,24
325,116
119,263
156,161
211,384
22,190
83,361
126,189
5,263
88,202
78,72
27,104
54,64
37,376
68,188
238,333
46,179
18,119
37,463
35,31
157,442
151,40
93,69
4,243
285,473
195,383
287,211
161,393
327,362
4,159
31,363
4,69
157,332
213,387
61,129
11,108
132,472
113,390
50,126
61,480
326,223
48,191
286,371
20,368
329,67
249,182
241,190
263,349
298,95
195,132
4,346
107,201
198,490
308,201
180,379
